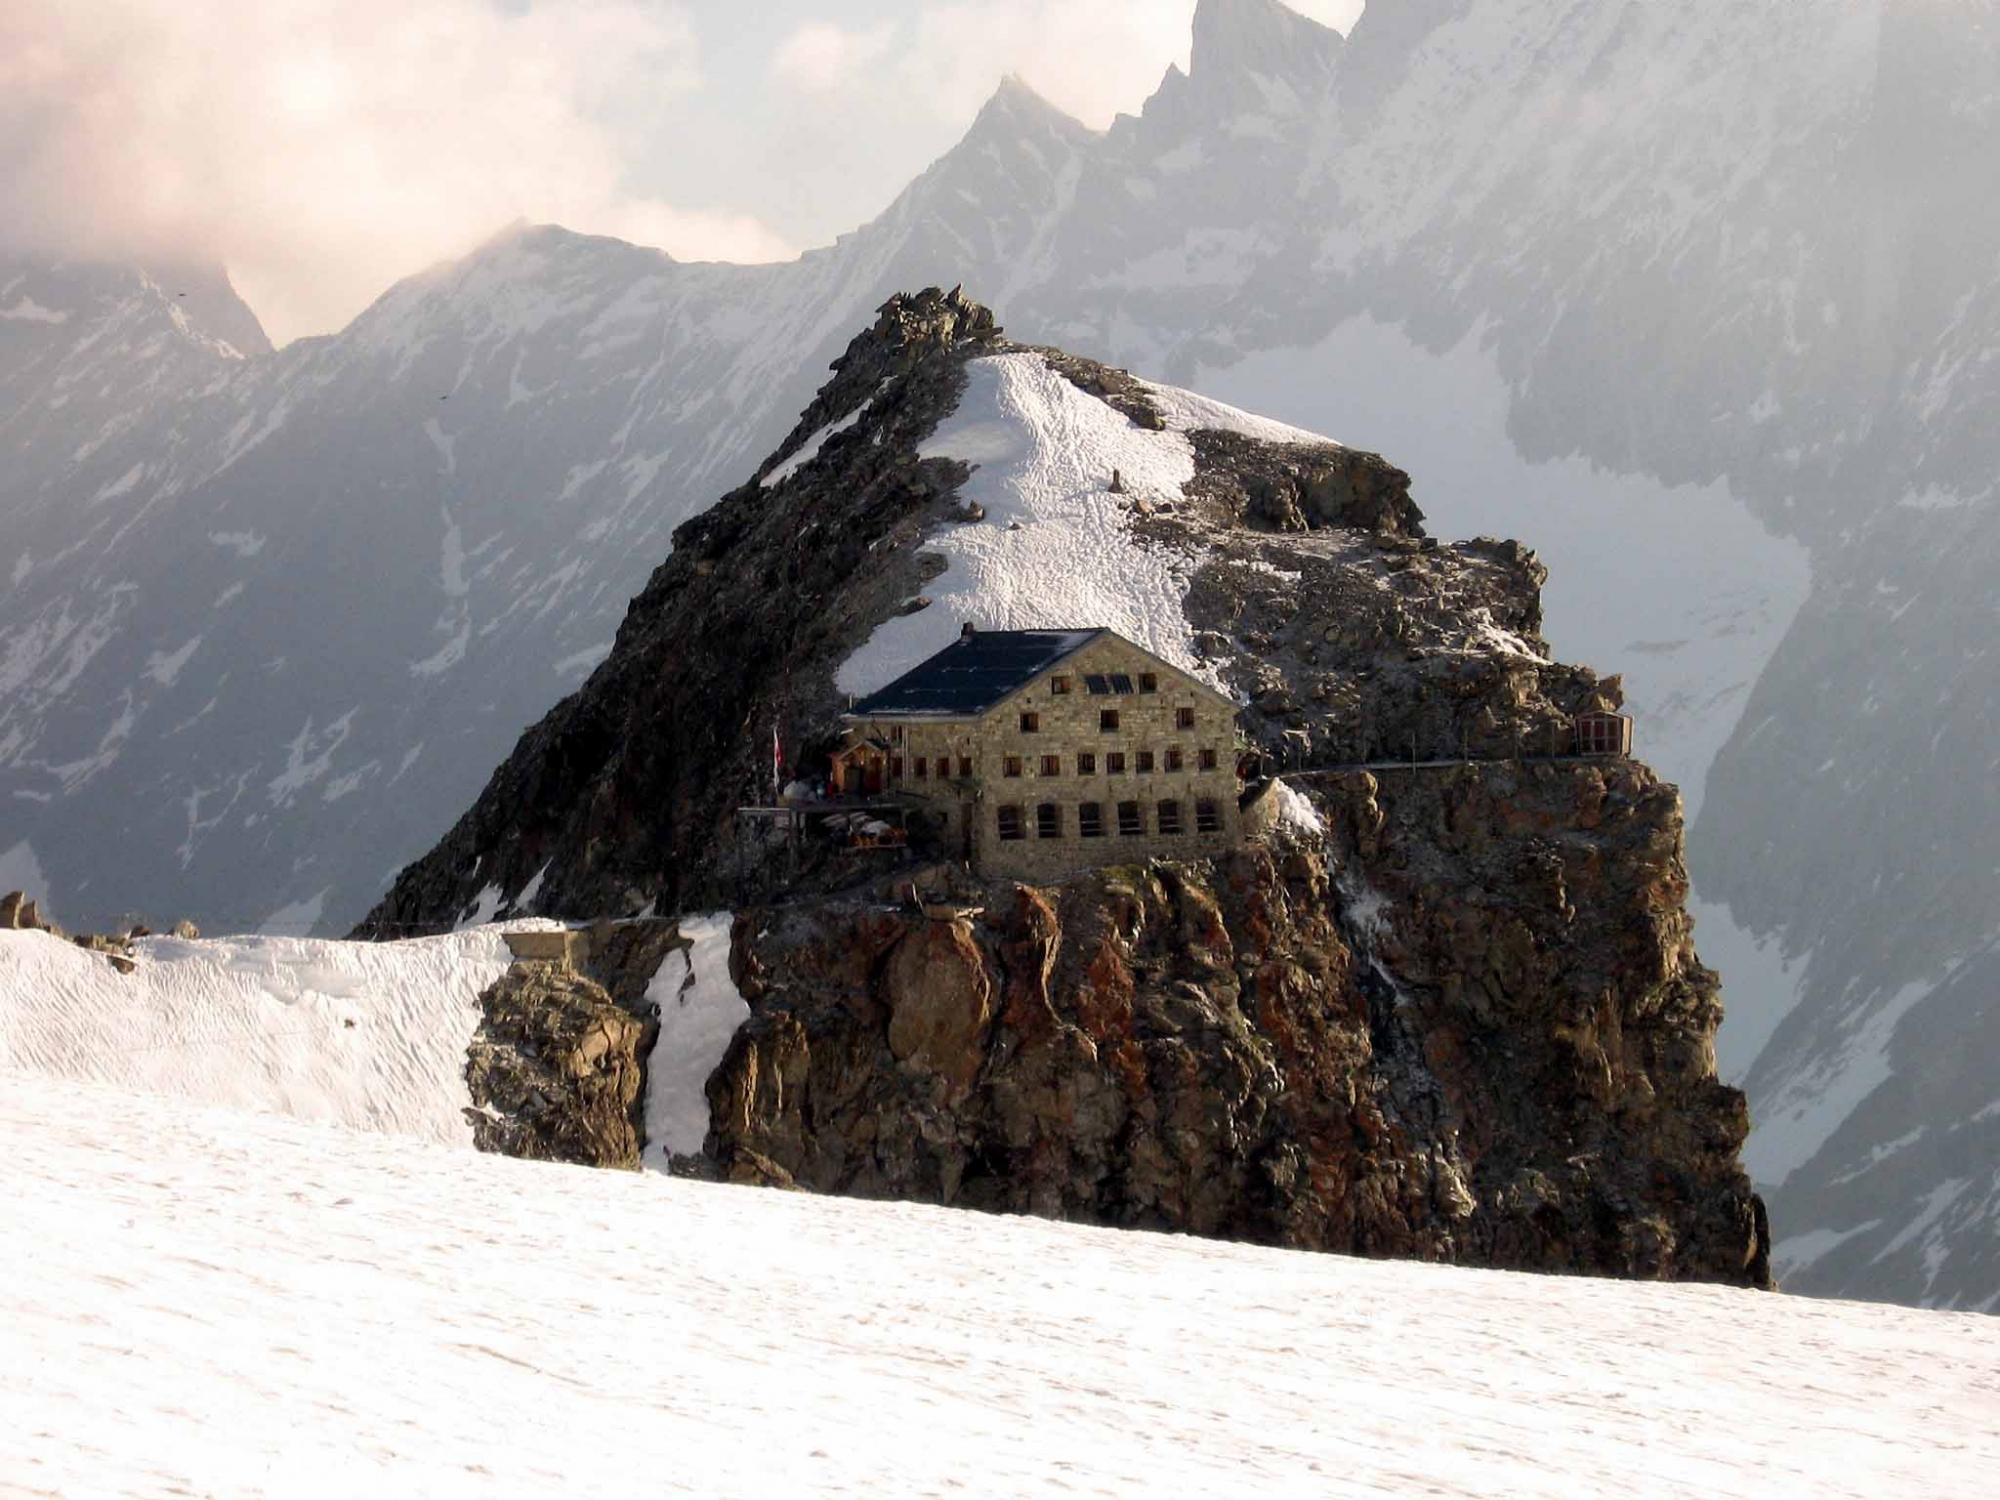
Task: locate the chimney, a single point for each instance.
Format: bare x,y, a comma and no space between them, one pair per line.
967,631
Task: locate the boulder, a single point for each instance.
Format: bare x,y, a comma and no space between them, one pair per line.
555,1069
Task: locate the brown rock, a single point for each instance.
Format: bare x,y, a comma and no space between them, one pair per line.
555,1069
939,1003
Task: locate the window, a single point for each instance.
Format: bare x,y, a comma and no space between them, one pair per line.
1097,685
1031,723
895,768
1149,682
1059,686
1013,766
1170,817
1114,763
944,767
1086,764
1052,765
1010,823
1048,821
1175,760
923,768
1207,819
1602,734
1130,820
1090,820
1107,721
895,734
1120,683
1145,762
965,765
1208,760
1183,718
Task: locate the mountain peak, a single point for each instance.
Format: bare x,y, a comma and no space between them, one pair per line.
1015,106
1234,37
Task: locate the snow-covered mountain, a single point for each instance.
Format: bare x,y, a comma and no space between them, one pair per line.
1698,299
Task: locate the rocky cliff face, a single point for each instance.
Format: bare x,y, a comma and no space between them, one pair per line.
1465,1022
1455,1012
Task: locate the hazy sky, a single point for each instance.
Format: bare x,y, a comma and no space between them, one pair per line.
322,148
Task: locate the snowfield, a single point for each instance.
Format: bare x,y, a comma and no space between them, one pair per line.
232,1304
367,1035
1056,549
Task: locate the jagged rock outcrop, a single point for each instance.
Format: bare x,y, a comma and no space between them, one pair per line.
1465,1024
1350,634
557,1067
554,1070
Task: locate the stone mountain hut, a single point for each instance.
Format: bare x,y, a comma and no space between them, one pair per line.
1044,752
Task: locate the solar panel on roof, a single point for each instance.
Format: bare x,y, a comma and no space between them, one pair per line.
974,672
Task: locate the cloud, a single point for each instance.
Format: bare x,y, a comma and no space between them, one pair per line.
821,56
321,148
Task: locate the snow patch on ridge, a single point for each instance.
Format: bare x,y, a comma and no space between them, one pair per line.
27,310
484,905
124,484
165,666
700,1010
296,918
533,889
813,444
1297,813
1184,411
245,544
446,445
1804,1112
1055,548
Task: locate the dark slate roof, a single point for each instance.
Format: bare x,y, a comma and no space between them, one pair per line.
973,673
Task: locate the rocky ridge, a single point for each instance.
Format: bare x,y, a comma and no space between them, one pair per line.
1346,644
556,1069
1464,1021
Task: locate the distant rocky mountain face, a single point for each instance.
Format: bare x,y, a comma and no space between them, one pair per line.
1698,299
1447,1011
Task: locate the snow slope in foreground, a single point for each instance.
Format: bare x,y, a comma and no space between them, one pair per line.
368,1035
239,1305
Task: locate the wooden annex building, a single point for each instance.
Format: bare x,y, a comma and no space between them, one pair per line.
1042,752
